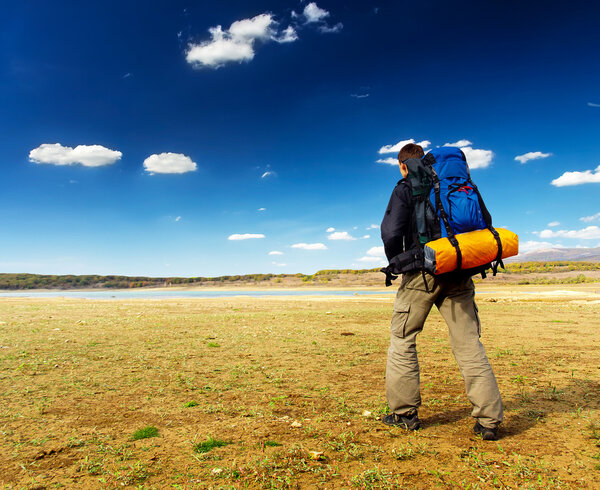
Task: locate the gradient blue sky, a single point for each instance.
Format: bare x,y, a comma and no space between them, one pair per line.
280,121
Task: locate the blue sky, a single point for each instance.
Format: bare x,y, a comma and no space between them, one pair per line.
146,140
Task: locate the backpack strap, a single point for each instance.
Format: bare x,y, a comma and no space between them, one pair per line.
487,217
444,216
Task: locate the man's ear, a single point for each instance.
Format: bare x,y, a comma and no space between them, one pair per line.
403,169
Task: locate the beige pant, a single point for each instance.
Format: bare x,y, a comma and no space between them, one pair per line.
455,301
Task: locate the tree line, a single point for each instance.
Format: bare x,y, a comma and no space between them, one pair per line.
40,281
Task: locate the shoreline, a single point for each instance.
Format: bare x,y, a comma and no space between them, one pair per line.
588,292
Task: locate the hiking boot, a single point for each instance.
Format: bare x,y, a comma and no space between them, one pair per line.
486,433
409,421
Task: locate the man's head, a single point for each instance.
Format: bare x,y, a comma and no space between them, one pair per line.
408,151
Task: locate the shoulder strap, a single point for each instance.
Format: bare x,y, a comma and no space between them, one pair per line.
440,208
487,217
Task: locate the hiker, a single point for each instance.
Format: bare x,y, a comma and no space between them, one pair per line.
453,294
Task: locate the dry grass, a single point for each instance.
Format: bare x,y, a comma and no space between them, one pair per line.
269,380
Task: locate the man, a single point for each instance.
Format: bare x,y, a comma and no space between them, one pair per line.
453,294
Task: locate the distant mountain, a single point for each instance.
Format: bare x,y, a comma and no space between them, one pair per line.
557,254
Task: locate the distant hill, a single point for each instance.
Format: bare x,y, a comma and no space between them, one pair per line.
545,271
559,254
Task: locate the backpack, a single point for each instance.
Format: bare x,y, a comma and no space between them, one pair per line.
445,202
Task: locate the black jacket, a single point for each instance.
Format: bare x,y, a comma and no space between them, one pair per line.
397,225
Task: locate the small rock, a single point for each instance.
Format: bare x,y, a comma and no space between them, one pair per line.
328,312
296,424
366,413
56,329
316,455
348,423
217,471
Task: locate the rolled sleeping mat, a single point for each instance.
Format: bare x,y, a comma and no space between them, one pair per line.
477,247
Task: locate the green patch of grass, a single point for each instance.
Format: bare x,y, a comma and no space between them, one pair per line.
214,344
373,478
409,451
209,444
272,443
75,442
552,393
277,399
536,415
39,442
145,433
190,404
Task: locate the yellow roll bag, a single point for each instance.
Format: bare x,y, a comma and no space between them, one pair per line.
477,248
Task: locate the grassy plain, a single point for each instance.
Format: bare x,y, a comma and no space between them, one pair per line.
276,393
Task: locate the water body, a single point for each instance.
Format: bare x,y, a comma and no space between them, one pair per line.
153,294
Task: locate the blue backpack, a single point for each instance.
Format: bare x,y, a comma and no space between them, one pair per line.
445,202
453,195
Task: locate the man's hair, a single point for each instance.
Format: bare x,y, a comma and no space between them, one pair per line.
410,151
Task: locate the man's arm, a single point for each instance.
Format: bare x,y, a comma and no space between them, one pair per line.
396,222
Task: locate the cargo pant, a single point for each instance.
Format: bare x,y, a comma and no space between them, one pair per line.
455,301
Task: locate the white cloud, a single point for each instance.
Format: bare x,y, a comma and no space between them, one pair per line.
388,161
236,44
534,245
245,236
588,219
262,209
476,158
219,50
331,229
459,143
325,29
288,35
398,146
268,173
341,235
312,13
86,155
360,96
373,227
376,251
310,246
275,252
532,155
375,255
366,236
278,264
178,218
587,233
577,178
169,163
592,104
554,223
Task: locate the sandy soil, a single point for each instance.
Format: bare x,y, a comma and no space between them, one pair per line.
276,378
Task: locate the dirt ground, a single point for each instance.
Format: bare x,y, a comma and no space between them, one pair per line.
277,381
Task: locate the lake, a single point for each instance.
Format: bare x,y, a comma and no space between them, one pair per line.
157,294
